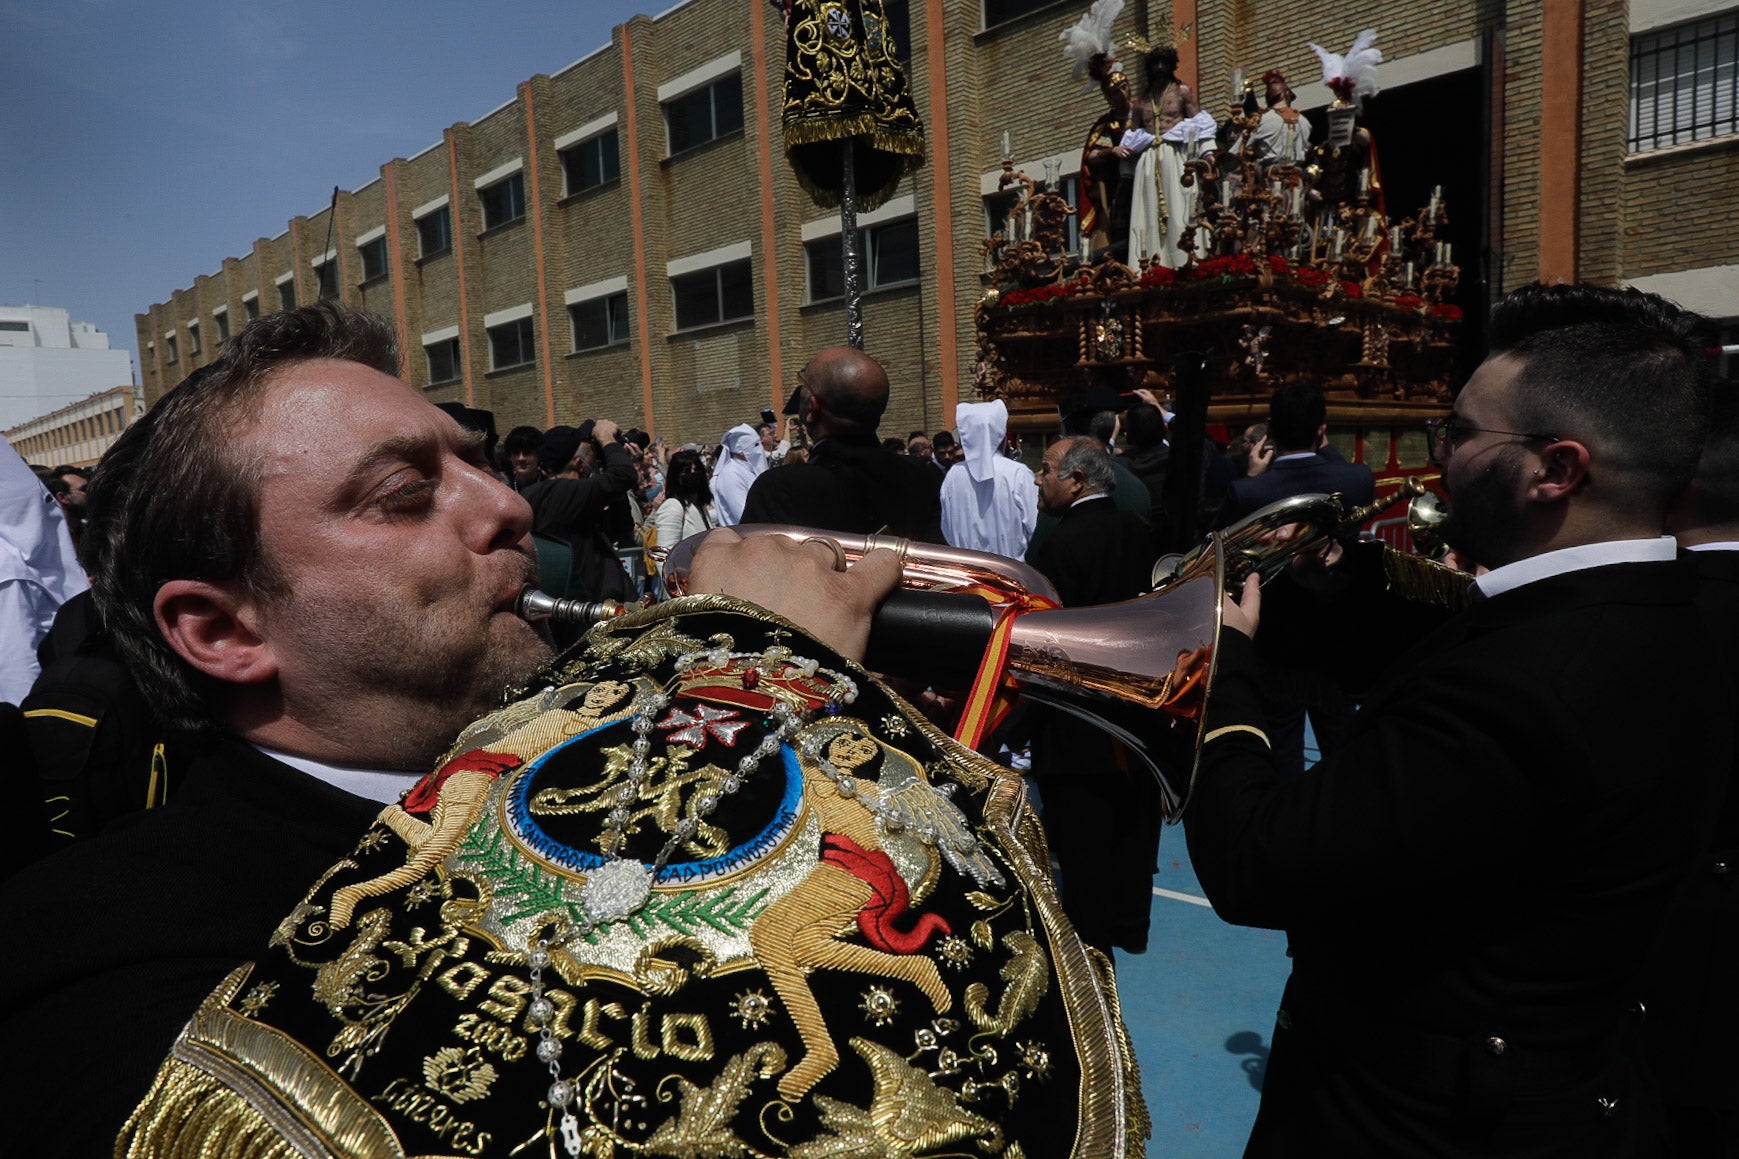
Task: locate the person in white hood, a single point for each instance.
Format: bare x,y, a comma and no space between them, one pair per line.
989,502
38,571
740,461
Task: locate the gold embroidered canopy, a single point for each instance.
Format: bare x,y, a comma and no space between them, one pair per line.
844,83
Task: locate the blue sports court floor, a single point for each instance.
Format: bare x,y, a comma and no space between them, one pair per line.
1200,1008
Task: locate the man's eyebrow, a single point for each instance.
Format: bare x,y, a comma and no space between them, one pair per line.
470,441
388,450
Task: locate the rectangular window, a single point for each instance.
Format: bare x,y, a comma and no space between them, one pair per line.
287,294
997,206
890,258
503,202
326,274
251,307
221,319
591,163
1684,83
1000,11
443,360
435,232
720,294
510,344
373,259
193,346
169,345
704,114
600,321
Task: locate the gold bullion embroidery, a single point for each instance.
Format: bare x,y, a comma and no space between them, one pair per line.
701,1128
751,1009
907,1116
1028,974
879,1005
255,999
458,1073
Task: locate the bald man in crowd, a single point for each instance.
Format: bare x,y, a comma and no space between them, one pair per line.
851,482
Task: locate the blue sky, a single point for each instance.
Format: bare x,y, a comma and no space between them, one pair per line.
141,144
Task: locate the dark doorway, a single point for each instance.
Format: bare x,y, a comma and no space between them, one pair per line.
1430,133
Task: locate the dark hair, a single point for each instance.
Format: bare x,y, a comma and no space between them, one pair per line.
897,446
1161,59
1623,371
1145,425
685,480
943,439
1295,413
522,439
1718,468
174,499
1630,394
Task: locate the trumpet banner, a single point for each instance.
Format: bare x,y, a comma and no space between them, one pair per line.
844,84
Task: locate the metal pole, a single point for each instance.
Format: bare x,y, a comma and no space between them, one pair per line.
848,239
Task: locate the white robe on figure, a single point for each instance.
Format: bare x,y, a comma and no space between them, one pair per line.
743,458
38,571
1161,208
1276,142
989,501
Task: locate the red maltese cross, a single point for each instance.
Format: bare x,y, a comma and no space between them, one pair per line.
693,729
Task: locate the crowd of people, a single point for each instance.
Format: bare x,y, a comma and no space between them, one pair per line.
265,740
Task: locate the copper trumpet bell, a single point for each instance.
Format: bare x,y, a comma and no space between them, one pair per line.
1141,670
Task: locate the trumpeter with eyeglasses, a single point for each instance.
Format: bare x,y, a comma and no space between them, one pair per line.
1471,884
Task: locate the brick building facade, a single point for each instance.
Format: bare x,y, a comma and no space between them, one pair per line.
624,237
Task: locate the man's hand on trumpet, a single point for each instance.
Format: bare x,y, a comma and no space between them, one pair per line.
807,583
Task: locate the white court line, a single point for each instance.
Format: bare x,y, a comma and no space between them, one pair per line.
1176,896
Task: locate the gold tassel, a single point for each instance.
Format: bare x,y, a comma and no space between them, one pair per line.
1425,581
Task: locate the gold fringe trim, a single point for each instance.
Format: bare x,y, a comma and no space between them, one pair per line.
190,1114
1140,1125
233,1088
1425,581
908,144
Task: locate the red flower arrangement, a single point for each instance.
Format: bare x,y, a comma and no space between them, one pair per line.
1159,276
1310,276
1408,301
1351,290
1447,312
1225,266
1277,264
1036,295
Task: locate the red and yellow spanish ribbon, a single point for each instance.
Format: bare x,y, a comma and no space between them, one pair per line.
988,704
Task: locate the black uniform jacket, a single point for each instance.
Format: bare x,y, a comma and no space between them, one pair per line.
851,483
116,940
1284,478
1471,885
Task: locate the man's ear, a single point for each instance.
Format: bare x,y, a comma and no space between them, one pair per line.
215,631
1564,469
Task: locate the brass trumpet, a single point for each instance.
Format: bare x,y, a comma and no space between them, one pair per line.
535,605
1113,665
1250,546
1425,516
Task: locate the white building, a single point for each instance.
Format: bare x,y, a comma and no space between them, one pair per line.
47,361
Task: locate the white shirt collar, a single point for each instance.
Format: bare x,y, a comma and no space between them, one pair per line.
383,785
1089,498
1295,455
1569,559
1729,545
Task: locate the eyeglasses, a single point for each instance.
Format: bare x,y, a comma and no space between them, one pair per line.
1445,434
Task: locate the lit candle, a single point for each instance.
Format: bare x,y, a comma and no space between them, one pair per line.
1436,196
1371,228
1448,254
1395,239
1339,240
1007,152
1407,277
1297,200
1086,248
1364,182
1237,86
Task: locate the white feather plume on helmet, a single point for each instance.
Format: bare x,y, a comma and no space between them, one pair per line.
1352,77
1091,36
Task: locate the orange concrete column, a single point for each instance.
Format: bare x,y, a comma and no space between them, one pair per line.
769,238
942,206
458,223
1183,33
538,264
389,175
637,230
1560,138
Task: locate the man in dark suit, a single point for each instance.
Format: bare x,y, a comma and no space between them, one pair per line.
1297,424
1689,992
314,570
851,482
1471,885
1101,816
